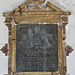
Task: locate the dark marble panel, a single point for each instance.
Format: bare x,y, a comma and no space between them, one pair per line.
37,48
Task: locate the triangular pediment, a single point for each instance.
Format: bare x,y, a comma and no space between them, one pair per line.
53,7
36,5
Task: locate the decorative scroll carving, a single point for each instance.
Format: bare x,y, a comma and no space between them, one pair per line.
5,49
68,50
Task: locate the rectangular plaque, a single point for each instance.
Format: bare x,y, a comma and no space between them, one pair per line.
37,48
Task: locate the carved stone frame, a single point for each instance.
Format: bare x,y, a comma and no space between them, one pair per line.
35,17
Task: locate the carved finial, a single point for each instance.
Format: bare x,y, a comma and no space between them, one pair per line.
39,1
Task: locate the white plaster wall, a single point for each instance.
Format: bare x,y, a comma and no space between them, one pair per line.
8,5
